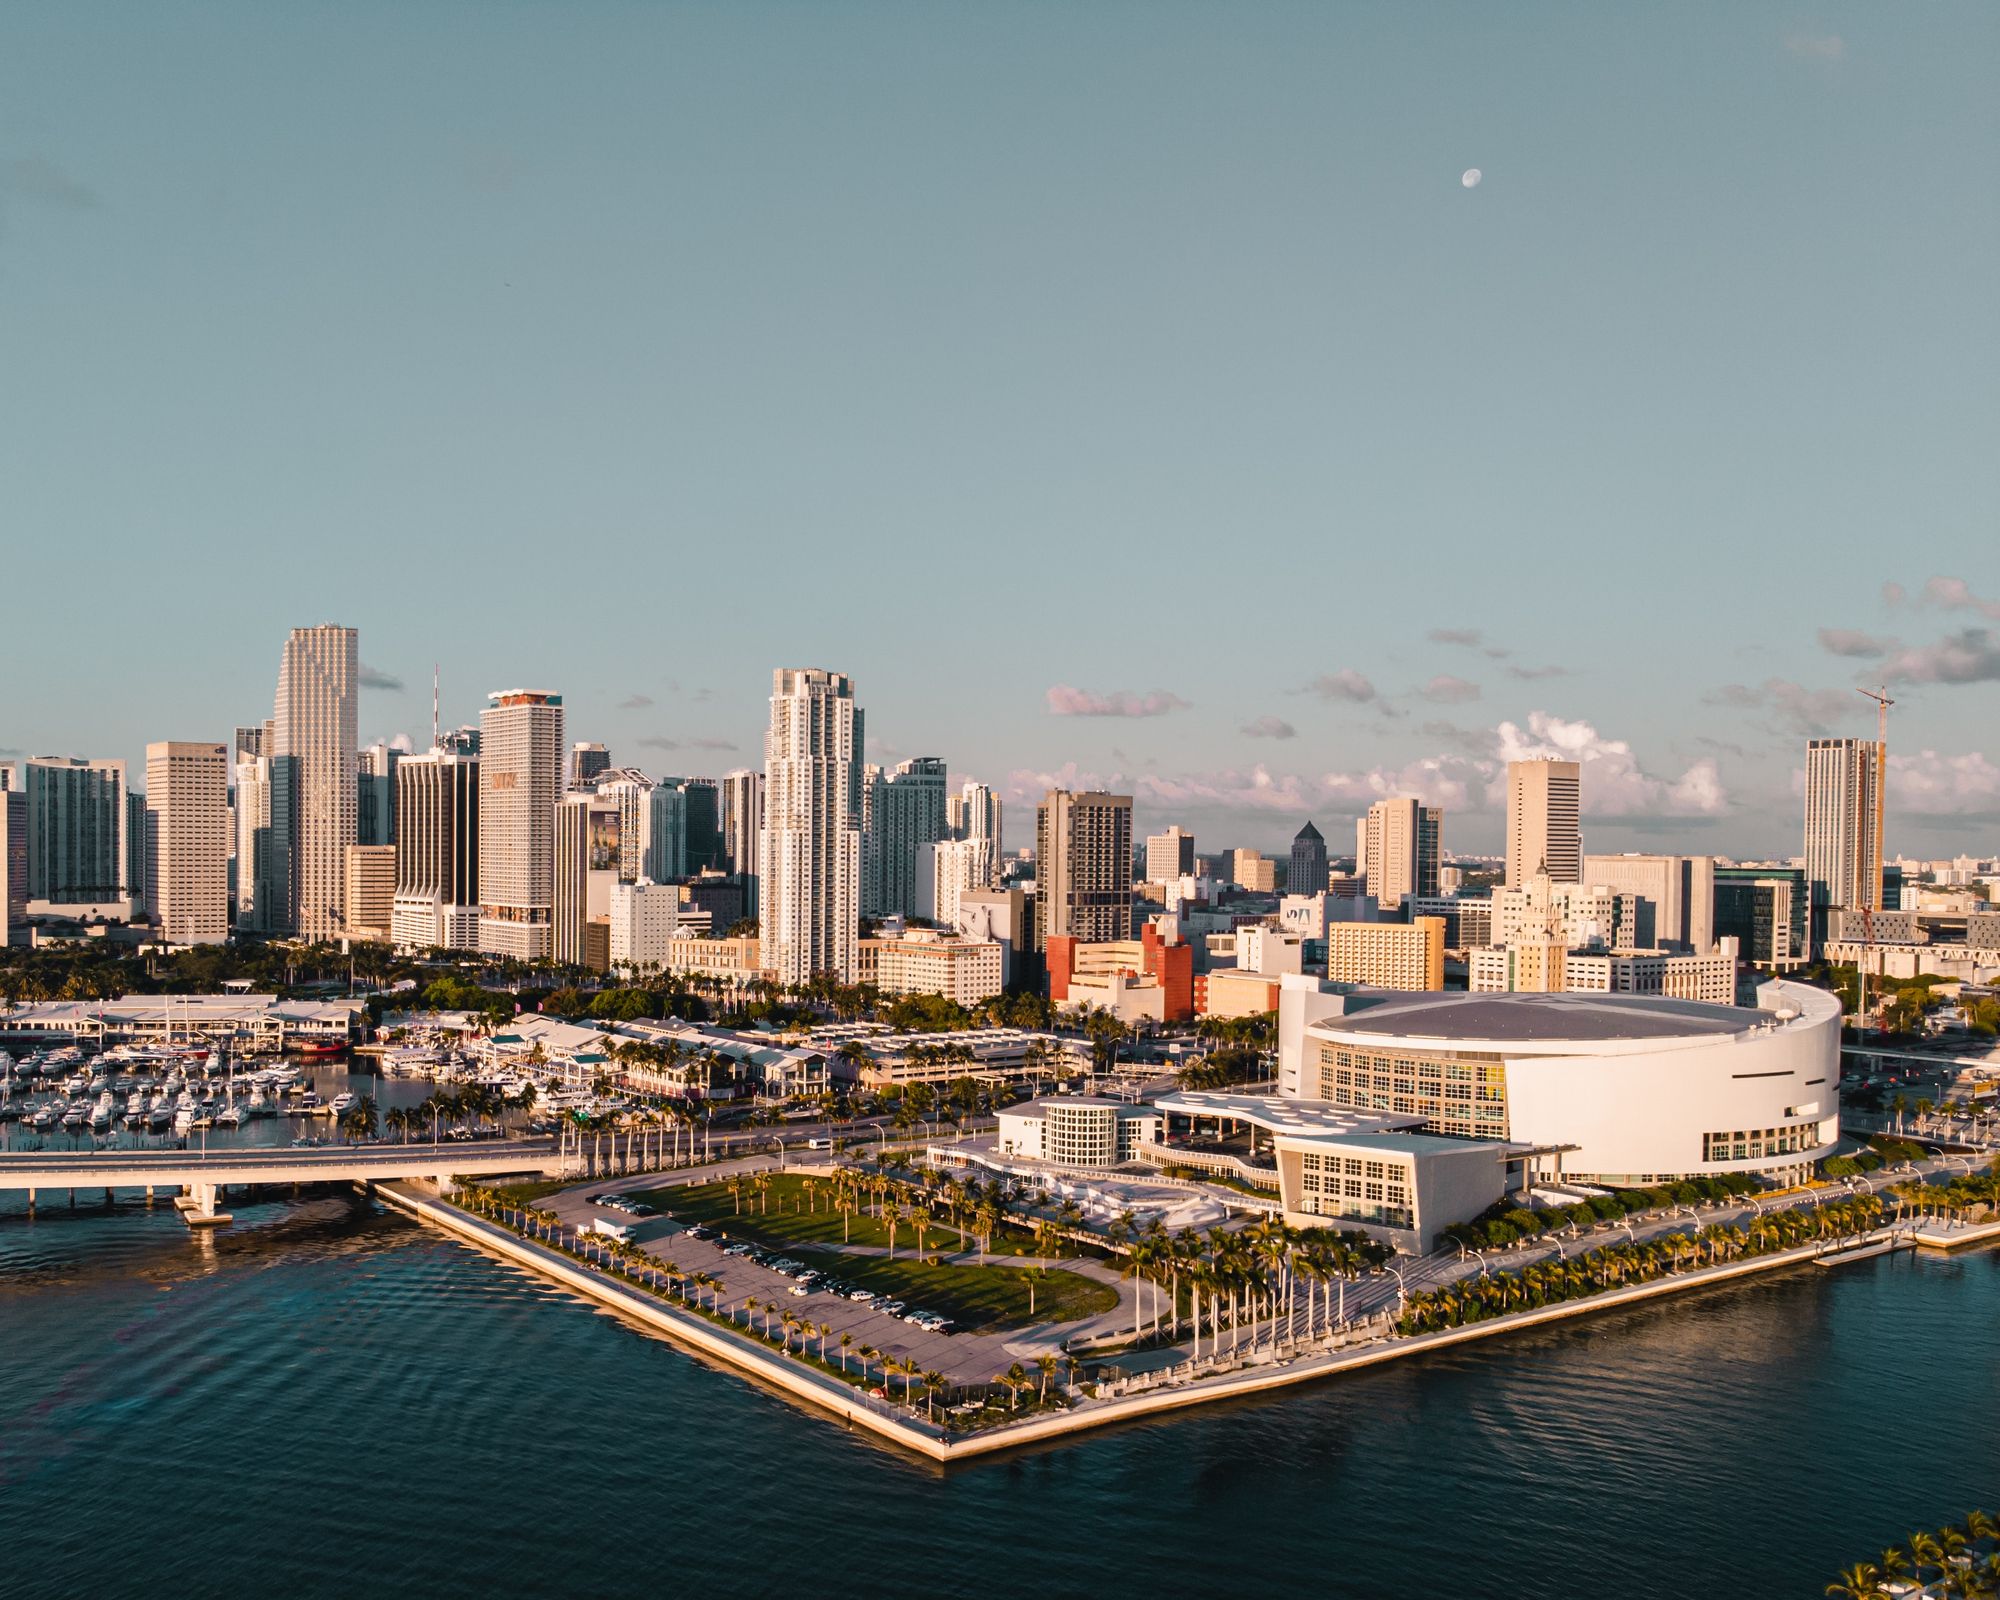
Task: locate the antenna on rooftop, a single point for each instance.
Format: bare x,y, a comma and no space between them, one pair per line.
434,705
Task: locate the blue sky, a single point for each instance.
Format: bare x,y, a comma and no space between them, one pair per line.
1147,364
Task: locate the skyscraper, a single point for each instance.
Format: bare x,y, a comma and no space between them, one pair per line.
975,813
13,857
76,830
375,794
704,825
812,834
313,725
1169,855
1400,842
587,759
1307,871
1544,821
187,827
905,813
587,854
1843,849
1675,897
1083,867
743,831
520,782
437,852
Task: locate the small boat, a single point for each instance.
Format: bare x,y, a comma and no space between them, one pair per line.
257,1105
100,1114
229,1117
342,1104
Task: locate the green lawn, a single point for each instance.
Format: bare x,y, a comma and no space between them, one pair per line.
783,1216
977,1299
526,1194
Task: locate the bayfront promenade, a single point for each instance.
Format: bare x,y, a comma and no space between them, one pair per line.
622,1285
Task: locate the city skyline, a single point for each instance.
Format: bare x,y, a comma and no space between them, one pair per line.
1637,387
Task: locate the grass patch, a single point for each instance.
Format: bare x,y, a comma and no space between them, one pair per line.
978,1299
789,1214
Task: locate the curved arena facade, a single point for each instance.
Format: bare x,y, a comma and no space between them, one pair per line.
1619,1089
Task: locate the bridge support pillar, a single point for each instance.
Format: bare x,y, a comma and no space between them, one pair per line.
198,1209
31,1202
446,1189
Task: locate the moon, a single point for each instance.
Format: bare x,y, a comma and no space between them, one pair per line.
1470,177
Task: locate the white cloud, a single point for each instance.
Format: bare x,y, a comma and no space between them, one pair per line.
1448,690
1816,713
1955,594
1928,784
1816,46
1065,701
1972,655
1269,728
1614,784
635,702
375,678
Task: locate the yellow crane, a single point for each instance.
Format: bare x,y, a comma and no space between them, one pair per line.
1873,889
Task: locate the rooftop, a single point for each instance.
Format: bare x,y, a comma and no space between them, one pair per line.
1546,1018
1276,1114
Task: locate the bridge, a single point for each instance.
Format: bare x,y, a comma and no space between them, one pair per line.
202,1176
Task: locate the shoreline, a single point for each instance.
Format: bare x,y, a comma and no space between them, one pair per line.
849,1404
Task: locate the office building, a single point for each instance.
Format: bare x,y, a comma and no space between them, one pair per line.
906,811
138,858
187,839
811,889
1147,979
313,726
370,895
1400,840
1169,855
436,904
644,921
520,783
1468,919
742,794
76,832
1843,842
375,794
1544,821
1083,867
13,858
1576,916
704,824
1306,873
261,879
1767,910
663,832
588,826
1005,916
1674,897
587,760
1387,955
1253,870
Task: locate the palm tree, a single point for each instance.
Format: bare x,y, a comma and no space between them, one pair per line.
1858,1582
1046,1364
846,1344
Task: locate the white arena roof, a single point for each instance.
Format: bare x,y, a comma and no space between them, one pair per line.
1275,1114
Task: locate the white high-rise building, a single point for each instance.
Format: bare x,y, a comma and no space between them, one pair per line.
253,840
743,831
1400,843
1170,855
1544,821
1675,896
313,726
811,900
1843,856
187,828
520,782
975,813
437,852
645,917
906,811
948,869
588,827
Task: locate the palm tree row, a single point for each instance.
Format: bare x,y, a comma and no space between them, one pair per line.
1611,1266
1963,1559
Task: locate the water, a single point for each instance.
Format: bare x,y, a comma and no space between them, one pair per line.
326,1400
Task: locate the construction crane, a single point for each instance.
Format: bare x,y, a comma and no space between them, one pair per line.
1873,890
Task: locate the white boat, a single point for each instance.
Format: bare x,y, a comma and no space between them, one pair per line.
229,1117
100,1115
257,1105
342,1104
183,1119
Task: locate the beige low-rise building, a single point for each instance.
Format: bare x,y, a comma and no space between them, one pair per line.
736,962
1387,955
929,961
1540,966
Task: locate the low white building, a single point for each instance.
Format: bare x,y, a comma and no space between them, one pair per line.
1077,1130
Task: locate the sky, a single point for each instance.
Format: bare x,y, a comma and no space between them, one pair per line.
1123,394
